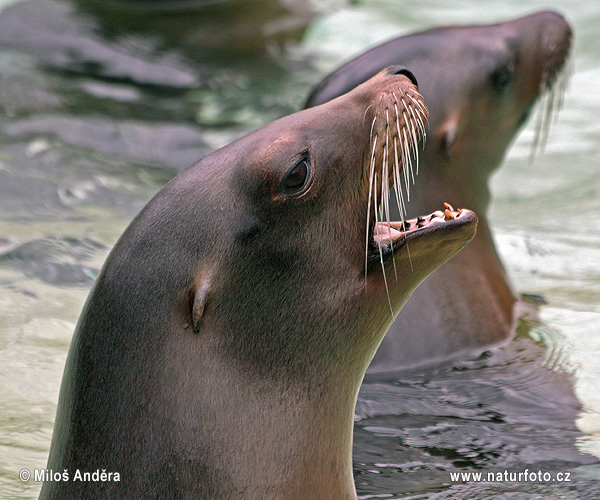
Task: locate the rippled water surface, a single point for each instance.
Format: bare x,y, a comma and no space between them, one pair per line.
91,127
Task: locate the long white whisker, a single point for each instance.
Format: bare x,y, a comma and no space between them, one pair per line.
365,116
414,143
385,186
387,290
371,180
407,163
419,118
416,101
551,99
422,113
398,183
414,140
398,169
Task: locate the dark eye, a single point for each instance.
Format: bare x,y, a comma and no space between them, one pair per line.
295,179
501,77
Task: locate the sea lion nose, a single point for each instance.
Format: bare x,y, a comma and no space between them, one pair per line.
401,70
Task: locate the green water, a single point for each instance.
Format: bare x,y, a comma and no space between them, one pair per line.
81,154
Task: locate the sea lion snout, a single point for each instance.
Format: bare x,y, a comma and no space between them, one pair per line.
547,37
556,28
557,43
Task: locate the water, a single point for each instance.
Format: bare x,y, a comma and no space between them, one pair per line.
84,146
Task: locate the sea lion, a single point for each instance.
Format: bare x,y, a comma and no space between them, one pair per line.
165,43
209,27
220,352
480,84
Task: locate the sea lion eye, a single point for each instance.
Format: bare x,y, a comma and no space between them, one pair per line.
501,77
296,178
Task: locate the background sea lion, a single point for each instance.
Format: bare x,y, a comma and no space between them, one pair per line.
221,350
170,44
480,83
215,26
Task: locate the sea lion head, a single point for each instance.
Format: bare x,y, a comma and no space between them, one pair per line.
302,251
481,84
507,69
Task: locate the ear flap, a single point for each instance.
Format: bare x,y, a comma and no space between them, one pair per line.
199,300
448,140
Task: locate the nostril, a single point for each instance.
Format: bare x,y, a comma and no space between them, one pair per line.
401,70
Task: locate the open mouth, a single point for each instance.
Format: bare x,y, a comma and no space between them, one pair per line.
397,127
389,237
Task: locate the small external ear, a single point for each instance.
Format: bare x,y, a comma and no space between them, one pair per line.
199,300
448,140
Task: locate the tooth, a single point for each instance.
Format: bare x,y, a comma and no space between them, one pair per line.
448,214
394,233
448,206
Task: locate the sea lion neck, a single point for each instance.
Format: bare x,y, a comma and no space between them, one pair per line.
300,432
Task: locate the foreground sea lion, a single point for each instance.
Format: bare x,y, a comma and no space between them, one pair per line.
480,84
221,350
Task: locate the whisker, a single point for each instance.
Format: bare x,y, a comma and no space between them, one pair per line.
416,101
412,270
414,141
398,183
551,101
537,132
397,168
406,164
365,116
419,115
385,185
408,153
422,112
371,180
387,290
